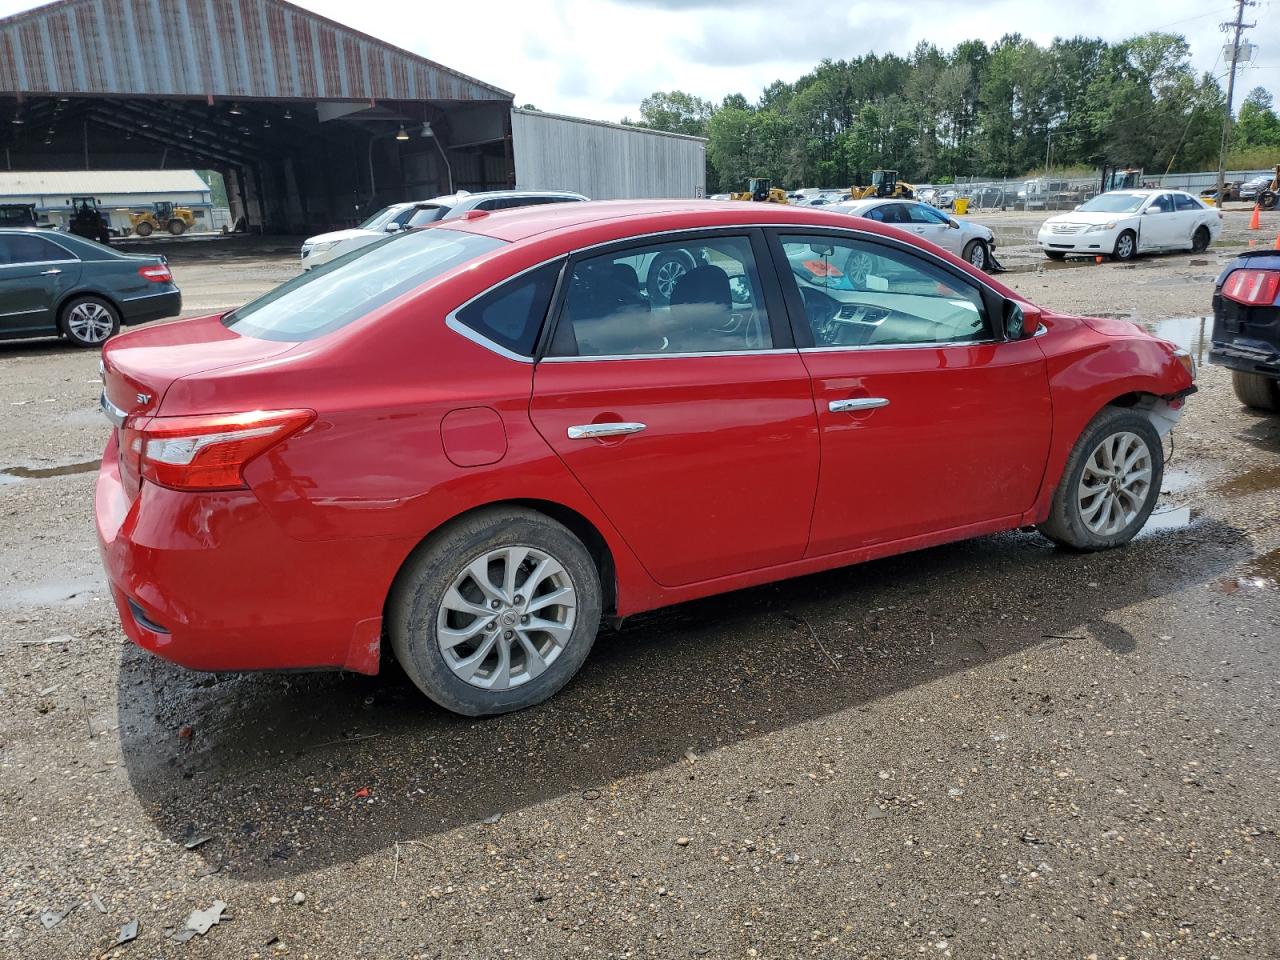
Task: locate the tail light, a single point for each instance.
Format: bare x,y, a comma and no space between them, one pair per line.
1254,288
209,452
158,273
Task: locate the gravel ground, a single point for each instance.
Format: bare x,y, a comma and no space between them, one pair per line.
989,749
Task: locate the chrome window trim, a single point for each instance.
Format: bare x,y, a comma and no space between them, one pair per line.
671,356
41,263
931,345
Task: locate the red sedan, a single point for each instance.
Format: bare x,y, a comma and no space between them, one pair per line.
476,441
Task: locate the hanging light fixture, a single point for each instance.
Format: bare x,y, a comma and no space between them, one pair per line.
288,114
235,110
426,129
402,134
266,123
17,119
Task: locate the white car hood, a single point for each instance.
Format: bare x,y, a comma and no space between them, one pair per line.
337,235
1082,216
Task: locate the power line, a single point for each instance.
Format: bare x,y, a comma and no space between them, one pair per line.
1239,26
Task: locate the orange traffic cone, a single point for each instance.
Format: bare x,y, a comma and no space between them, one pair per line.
1253,221
1278,241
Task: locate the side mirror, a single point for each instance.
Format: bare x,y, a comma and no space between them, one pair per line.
1015,321
392,227
953,223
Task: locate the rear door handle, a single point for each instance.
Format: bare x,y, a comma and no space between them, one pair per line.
860,403
50,273
592,431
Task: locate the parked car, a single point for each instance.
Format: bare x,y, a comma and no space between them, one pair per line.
406,216
970,241
1125,223
1246,327
478,440
1250,189
60,284
18,215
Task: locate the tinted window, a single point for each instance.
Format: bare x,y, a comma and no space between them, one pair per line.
858,294
338,292
23,248
668,298
1162,204
1183,202
511,315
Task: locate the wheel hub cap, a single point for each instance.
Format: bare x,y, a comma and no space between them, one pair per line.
1116,483
506,617
90,322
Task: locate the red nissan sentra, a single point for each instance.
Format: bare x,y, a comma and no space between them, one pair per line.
475,441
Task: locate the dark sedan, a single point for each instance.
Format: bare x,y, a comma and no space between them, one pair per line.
1246,327
59,284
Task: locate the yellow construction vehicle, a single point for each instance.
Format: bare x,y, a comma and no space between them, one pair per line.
761,190
884,183
163,216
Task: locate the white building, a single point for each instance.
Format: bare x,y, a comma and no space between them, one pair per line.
117,191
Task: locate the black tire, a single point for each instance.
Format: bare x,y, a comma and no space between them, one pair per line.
414,608
144,229
1255,390
88,322
1267,199
1056,254
976,255
1066,525
1125,250
177,227
664,271
1200,240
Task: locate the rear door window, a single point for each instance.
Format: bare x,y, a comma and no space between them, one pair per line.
25,248
334,294
1182,201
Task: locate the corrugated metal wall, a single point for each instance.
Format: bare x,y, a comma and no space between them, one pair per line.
225,48
604,161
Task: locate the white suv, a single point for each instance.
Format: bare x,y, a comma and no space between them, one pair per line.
417,213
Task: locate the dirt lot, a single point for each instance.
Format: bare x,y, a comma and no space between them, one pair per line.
989,749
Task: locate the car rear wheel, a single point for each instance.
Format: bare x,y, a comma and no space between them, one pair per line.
89,321
1200,240
1126,246
1110,484
1255,390
495,613
975,252
1055,254
177,227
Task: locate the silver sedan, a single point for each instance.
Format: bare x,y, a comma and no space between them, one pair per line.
970,241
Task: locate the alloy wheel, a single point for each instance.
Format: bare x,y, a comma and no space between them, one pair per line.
506,617
1115,484
1124,247
90,322
668,275
978,256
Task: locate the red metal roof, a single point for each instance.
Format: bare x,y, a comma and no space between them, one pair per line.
224,48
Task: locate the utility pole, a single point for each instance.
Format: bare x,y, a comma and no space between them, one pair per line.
1238,25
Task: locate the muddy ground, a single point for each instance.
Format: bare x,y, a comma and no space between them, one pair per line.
989,749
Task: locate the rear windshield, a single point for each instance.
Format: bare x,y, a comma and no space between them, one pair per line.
333,295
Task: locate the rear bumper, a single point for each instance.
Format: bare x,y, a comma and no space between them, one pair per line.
151,306
210,582
1249,358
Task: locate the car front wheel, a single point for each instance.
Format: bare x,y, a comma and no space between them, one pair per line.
976,253
1126,246
89,321
1055,254
1110,484
495,613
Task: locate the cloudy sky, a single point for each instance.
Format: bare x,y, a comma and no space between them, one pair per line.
598,58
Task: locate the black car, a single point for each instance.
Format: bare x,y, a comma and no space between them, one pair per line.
1246,327
54,283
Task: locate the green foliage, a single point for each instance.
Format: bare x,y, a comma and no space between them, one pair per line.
976,110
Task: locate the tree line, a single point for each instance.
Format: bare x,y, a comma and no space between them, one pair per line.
996,111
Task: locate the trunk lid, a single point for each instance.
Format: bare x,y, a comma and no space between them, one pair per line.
139,367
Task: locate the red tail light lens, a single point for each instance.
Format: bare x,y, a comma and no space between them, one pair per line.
159,273
211,452
1255,288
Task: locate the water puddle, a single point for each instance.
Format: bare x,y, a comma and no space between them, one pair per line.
1191,333
1257,480
1177,480
1260,573
13,474
1164,521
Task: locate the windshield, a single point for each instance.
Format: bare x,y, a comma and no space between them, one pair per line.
345,289
1114,203
381,218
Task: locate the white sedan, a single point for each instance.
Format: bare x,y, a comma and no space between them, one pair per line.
1124,223
969,241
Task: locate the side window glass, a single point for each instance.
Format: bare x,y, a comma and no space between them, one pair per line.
511,314
1183,202
875,213
859,294
668,298
1162,203
919,213
17,249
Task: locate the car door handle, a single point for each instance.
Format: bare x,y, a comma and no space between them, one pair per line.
593,431
859,403
50,273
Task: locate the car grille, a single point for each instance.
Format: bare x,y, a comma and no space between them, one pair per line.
1068,228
